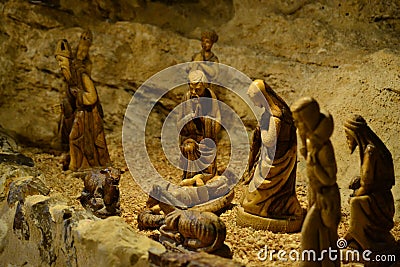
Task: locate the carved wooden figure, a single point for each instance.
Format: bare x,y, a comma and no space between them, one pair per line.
198,123
195,230
208,39
211,197
372,204
270,201
319,231
82,122
101,192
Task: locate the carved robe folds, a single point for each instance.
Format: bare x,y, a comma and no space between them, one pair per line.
87,142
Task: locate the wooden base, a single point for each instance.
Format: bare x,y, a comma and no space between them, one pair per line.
289,225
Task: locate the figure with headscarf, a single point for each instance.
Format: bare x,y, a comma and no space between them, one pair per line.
83,122
372,206
270,201
319,230
198,124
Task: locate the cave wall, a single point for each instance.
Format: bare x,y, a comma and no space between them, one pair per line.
135,39
343,53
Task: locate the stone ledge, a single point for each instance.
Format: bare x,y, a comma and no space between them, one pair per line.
39,230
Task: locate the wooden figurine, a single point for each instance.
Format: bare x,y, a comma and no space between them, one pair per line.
198,123
212,197
270,201
101,192
372,204
195,230
83,116
208,39
319,231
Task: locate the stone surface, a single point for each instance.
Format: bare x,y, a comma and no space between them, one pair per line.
7,142
11,172
124,246
22,187
3,235
9,150
177,259
38,228
49,233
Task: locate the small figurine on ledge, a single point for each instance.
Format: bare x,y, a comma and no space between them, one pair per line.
319,230
82,123
372,204
208,39
270,201
101,192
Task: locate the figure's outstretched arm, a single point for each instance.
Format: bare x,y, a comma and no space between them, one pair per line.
89,95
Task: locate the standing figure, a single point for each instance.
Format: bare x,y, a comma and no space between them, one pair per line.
319,231
198,123
208,38
270,201
68,104
87,144
372,206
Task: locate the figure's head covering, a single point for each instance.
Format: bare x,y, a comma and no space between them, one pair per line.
268,92
305,104
355,123
212,35
196,76
354,127
257,86
358,128
279,107
312,116
63,49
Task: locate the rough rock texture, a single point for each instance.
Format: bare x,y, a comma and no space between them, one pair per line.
39,230
110,242
177,259
343,53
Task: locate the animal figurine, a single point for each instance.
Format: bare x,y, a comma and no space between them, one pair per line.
195,230
101,191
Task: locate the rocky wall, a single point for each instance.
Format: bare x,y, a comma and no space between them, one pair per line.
37,229
283,42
